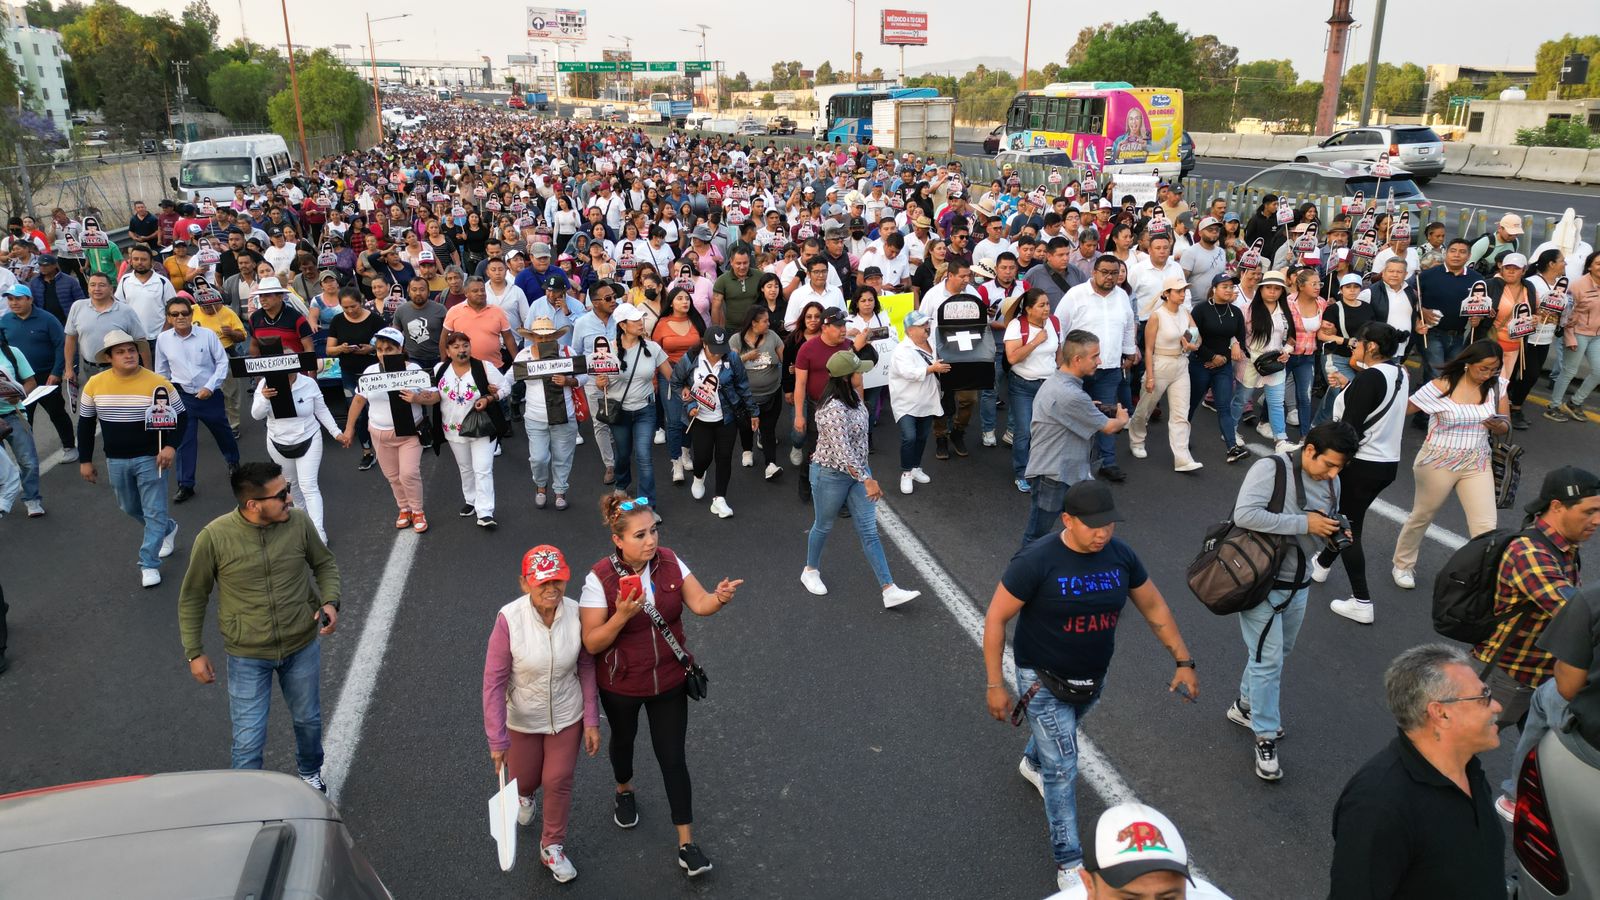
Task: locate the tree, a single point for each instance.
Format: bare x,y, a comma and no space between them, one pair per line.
332,98
1151,50
786,76
240,91
1086,35
739,82
825,74
1262,72
1559,133
42,14
32,133
768,101
1399,89
1547,63
1214,61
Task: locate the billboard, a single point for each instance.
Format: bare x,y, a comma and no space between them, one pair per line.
521,59
903,27
549,24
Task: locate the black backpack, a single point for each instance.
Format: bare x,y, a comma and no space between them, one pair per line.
1464,590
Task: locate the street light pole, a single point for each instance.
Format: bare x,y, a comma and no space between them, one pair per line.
1372,64
1027,33
372,48
294,83
855,70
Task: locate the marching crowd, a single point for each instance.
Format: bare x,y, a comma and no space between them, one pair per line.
706,299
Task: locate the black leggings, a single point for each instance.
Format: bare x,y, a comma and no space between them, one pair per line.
708,437
1359,485
770,408
1529,367
55,403
669,728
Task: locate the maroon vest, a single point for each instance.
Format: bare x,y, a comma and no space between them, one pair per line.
639,663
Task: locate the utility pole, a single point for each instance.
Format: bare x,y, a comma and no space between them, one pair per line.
372,48
1372,63
182,68
1233,103
855,64
1027,32
294,83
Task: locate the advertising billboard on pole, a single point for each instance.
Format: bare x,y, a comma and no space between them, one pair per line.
550,24
904,27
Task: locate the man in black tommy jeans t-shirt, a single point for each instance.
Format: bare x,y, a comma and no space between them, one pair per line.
1069,590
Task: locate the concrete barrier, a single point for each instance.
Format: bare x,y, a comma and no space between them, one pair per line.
1202,142
1561,164
1254,146
1225,145
1495,160
1284,146
1591,170
1455,156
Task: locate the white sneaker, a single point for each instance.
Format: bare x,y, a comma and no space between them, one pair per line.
498,449
796,456
1008,438
525,810
69,455
697,488
677,471
919,476
149,577
661,436
1284,445
1031,775
1320,572
555,859
1138,451
988,439
35,508
894,595
1264,428
1267,767
579,443
1293,416
812,579
720,508
1068,879
906,482
1405,578
748,459
772,471
1353,609
688,459
1190,466
170,542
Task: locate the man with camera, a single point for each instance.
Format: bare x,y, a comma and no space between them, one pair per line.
1303,485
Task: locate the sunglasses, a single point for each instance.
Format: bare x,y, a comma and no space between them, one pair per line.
281,496
636,503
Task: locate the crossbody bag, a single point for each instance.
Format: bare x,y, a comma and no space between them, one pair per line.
694,677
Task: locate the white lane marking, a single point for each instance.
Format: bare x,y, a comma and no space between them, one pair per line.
1094,767
48,463
1395,514
343,736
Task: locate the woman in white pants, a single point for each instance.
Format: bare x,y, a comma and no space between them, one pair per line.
1169,335
465,385
295,442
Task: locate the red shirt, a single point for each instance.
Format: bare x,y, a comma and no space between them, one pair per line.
813,358
289,327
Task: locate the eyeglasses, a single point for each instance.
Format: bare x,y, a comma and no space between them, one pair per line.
1483,698
179,315
635,503
1106,271
281,496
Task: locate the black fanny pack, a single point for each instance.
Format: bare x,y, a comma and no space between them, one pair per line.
1077,691
293,451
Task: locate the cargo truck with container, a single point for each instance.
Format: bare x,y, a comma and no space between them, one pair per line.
915,124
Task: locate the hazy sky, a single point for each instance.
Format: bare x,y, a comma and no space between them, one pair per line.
751,35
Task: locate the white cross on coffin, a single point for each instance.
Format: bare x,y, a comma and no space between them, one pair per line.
965,339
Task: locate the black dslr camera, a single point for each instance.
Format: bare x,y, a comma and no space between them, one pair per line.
1341,540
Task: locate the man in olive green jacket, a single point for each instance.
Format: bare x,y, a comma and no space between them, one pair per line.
257,556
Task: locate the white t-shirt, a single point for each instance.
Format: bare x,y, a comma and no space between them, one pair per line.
895,271
594,594
379,415
786,275
1041,362
830,298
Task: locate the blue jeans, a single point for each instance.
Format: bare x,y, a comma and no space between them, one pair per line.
550,452
1441,347
1053,750
634,437
987,407
1219,382
141,491
1281,616
214,413
250,693
1303,371
21,441
1588,349
1341,364
831,489
1274,403
914,431
1104,387
672,409
1021,421
10,482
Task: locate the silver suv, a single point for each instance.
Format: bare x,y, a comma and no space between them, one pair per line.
1557,824
1415,148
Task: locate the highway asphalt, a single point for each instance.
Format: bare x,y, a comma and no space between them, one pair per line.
844,750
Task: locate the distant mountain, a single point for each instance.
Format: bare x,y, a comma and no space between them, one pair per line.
959,67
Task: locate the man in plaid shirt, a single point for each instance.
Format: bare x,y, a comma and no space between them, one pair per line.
1538,572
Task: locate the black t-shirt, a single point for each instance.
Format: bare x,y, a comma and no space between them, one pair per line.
1347,321
1070,604
345,331
1573,636
1219,326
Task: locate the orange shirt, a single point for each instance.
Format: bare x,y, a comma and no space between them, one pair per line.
676,345
483,326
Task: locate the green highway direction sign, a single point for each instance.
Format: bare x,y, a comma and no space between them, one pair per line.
690,67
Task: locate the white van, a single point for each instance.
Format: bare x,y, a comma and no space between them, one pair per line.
214,168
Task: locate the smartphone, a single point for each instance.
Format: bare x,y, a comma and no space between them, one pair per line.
629,588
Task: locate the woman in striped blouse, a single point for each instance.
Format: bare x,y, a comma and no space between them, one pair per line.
1465,405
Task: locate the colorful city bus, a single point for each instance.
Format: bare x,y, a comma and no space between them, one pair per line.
1109,125
848,117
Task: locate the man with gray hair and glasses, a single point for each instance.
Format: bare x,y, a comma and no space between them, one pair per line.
1417,821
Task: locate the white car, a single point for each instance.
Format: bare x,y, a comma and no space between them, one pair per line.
1415,148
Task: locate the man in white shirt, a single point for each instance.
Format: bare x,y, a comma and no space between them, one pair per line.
793,275
1147,275
500,291
815,289
917,239
1204,260
194,361
1399,248
890,260
610,205
1401,315
145,290
957,278
1101,308
994,242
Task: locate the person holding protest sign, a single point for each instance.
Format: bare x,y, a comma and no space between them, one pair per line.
295,442
715,392
761,351
550,415
395,402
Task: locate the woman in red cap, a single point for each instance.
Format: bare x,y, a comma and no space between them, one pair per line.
642,663
539,698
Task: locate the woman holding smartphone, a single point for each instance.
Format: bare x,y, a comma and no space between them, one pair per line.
631,611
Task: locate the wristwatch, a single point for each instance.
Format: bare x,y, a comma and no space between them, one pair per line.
1185,664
